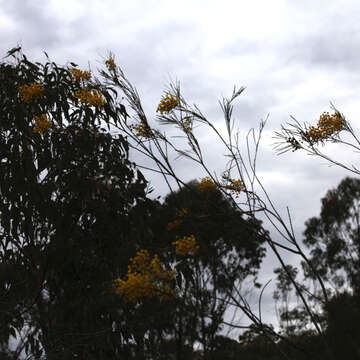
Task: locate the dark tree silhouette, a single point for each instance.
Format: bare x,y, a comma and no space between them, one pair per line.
334,243
343,325
230,252
73,209
334,236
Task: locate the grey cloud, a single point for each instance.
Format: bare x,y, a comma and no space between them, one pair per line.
241,46
35,29
335,49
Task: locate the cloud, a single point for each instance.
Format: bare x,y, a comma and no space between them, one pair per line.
332,51
30,26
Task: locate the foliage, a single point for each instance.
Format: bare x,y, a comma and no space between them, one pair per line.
70,199
343,318
333,237
74,198
248,193
244,190
334,243
229,251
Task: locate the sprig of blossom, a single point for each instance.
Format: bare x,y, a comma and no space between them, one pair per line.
142,130
145,279
31,91
235,186
167,103
136,287
42,124
186,245
186,125
88,97
206,185
80,75
326,126
110,63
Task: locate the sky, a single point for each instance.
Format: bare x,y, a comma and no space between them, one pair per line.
293,57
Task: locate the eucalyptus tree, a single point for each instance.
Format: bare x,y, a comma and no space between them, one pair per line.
228,257
73,210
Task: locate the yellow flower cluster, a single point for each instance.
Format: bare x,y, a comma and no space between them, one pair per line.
326,126
110,63
235,186
142,130
145,279
42,124
186,125
31,92
87,97
167,103
331,122
186,245
79,75
176,223
206,185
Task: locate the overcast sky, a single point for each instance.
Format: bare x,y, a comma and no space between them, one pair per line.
293,57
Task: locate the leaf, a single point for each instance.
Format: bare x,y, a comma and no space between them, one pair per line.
123,112
179,279
13,51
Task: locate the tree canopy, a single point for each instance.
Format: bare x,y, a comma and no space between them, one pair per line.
74,211
230,251
333,237
71,210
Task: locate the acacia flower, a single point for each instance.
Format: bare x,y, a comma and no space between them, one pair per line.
235,186
42,124
110,63
79,75
140,262
136,286
326,126
186,125
186,245
142,130
167,103
145,279
206,185
31,92
330,123
87,97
